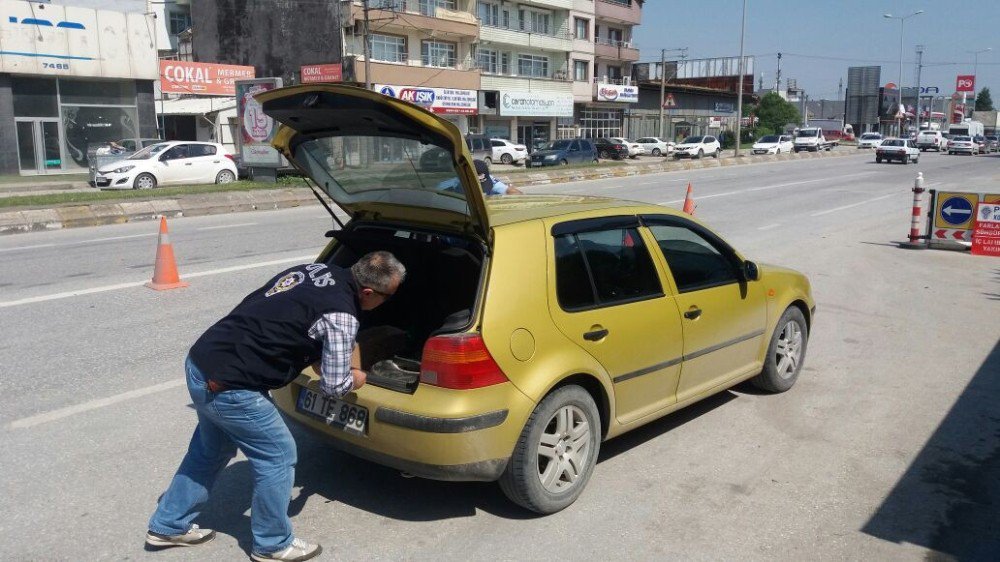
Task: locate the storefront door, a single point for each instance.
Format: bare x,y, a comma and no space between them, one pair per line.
39,146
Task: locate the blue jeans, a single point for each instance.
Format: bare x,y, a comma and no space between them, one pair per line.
226,420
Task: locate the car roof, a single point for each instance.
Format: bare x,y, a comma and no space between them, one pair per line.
511,210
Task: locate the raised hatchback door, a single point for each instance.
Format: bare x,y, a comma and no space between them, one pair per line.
379,155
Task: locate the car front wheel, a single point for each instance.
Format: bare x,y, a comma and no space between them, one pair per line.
144,181
785,353
556,452
655,152
506,158
701,153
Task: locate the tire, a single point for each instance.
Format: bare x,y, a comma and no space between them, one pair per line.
906,159
878,160
488,160
655,152
717,152
144,181
604,154
701,154
225,176
522,481
564,162
506,158
785,353
916,160
596,161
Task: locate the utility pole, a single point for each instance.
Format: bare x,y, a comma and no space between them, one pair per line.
777,76
367,50
739,94
663,86
920,65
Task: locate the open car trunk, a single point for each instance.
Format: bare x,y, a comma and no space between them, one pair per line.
439,296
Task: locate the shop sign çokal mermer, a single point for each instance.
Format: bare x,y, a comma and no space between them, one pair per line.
69,41
535,104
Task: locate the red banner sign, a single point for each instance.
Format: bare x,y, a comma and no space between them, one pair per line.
321,73
986,233
966,83
206,79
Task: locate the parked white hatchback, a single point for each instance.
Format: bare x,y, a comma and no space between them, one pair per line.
656,146
869,140
773,144
169,163
507,152
697,147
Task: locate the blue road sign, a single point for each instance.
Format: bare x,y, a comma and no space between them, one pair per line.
956,210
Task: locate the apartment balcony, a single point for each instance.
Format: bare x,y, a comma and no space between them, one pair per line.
620,11
460,75
557,4
554,41
414,14
505,82
615,50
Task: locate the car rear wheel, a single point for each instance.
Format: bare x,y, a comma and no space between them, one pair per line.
878,160
488,160
655,152
225,176
564,162
906,159
144,181
717,152
785,353
556,452
506,158
605,154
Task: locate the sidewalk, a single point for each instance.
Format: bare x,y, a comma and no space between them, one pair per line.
70,216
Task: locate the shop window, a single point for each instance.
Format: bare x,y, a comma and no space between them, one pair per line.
88,127
97,92
35,97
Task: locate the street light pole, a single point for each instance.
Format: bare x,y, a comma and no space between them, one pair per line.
975,69
739,93
899,85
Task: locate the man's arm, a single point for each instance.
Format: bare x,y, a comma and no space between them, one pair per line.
338,374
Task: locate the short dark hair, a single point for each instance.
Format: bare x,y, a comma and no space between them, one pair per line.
378,270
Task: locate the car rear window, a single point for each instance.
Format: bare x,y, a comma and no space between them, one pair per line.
603,268
892,142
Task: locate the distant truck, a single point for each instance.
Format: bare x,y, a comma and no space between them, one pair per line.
812,139
968,128
834,129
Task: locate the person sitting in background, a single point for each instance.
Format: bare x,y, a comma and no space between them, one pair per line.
489,184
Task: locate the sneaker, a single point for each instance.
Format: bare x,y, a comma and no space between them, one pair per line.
296,552
194,536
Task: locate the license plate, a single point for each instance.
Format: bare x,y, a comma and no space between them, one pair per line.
336,413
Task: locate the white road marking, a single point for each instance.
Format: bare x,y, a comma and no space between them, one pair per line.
762,188
119,286
26,247
851,206
769,227
145,235
228,226
54,415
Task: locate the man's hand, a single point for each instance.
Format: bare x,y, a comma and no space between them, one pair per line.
359,377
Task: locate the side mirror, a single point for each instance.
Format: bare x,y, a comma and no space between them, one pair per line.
750,271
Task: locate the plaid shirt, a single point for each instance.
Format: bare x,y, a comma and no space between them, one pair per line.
337,331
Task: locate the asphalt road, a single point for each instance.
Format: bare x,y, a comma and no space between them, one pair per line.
887,448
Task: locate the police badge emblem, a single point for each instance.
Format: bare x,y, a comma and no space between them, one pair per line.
285,283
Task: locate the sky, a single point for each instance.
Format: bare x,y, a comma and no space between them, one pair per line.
819,40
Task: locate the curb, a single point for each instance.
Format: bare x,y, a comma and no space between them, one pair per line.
36,220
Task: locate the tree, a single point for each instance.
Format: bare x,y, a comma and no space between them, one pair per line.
983,101
774,112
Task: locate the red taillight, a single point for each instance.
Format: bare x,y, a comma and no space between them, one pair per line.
231,157
460,362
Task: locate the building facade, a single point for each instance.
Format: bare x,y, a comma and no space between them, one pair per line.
65,89
613,93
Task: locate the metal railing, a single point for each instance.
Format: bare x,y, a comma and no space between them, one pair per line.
515,25
613,42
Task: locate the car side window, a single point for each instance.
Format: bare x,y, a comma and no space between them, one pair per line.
574,146
201,150
694,261
603,268
709,140
496,143
176,153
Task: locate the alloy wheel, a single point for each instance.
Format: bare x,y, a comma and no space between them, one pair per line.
564,449
789,350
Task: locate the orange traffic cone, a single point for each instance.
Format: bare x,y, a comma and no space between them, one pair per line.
165,272
689,201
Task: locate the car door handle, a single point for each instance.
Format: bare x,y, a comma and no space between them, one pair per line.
187,163
595,335
695,312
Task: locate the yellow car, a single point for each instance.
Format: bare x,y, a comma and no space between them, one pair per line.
529,328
